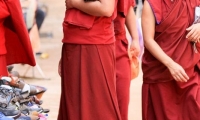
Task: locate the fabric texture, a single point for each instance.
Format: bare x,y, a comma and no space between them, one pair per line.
88,86
123,77
173,43
122,9
17,40
3,66
4,14
162,97
87,28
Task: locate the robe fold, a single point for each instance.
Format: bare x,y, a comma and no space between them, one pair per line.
162,97
170,34
88,68
15,44
17,41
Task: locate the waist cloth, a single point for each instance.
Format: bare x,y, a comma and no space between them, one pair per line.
88,83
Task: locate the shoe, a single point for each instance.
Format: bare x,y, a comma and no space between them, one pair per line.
24,118
10,113
34,107
6,96
14,74
35,100
38,91
3,117
9,68
19,83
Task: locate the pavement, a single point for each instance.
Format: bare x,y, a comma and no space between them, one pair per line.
46,74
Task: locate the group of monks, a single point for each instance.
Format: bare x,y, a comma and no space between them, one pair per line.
95,69
95,66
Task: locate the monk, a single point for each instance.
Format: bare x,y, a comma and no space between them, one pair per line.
14,39
171,72
88,62
125,16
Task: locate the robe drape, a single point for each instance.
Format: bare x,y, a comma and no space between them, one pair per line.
14,40
163,97
123,76
88,86
18,45
88,68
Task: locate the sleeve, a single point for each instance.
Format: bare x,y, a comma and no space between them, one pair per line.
124,5
156,6
133,3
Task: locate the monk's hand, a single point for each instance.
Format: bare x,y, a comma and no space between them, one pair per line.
135,48
177,72
193,33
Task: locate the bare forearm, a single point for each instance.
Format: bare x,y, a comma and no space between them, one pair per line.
96,8
148,28
131,24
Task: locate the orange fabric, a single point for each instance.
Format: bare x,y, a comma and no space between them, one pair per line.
134,63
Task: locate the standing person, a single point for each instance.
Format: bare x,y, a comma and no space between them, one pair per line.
125,16
88,62
171,71
14,39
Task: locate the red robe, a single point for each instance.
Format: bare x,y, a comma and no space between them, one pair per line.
88,68
163,97
123,76
17,42
14,40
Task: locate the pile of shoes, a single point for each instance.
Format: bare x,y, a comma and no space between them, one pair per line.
19,100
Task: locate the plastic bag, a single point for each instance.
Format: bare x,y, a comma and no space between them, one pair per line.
134,64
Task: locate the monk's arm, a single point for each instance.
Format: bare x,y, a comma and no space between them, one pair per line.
132,29
148,28
95,8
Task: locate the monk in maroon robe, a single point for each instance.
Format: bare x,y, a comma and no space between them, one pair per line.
88,62
125,16
15,46
171,75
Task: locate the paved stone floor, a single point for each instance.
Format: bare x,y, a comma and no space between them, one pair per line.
52,46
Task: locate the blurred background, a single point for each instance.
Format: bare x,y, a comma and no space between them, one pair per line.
48,51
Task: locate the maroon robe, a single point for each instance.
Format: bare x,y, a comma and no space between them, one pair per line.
163,97
123,76
88,69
